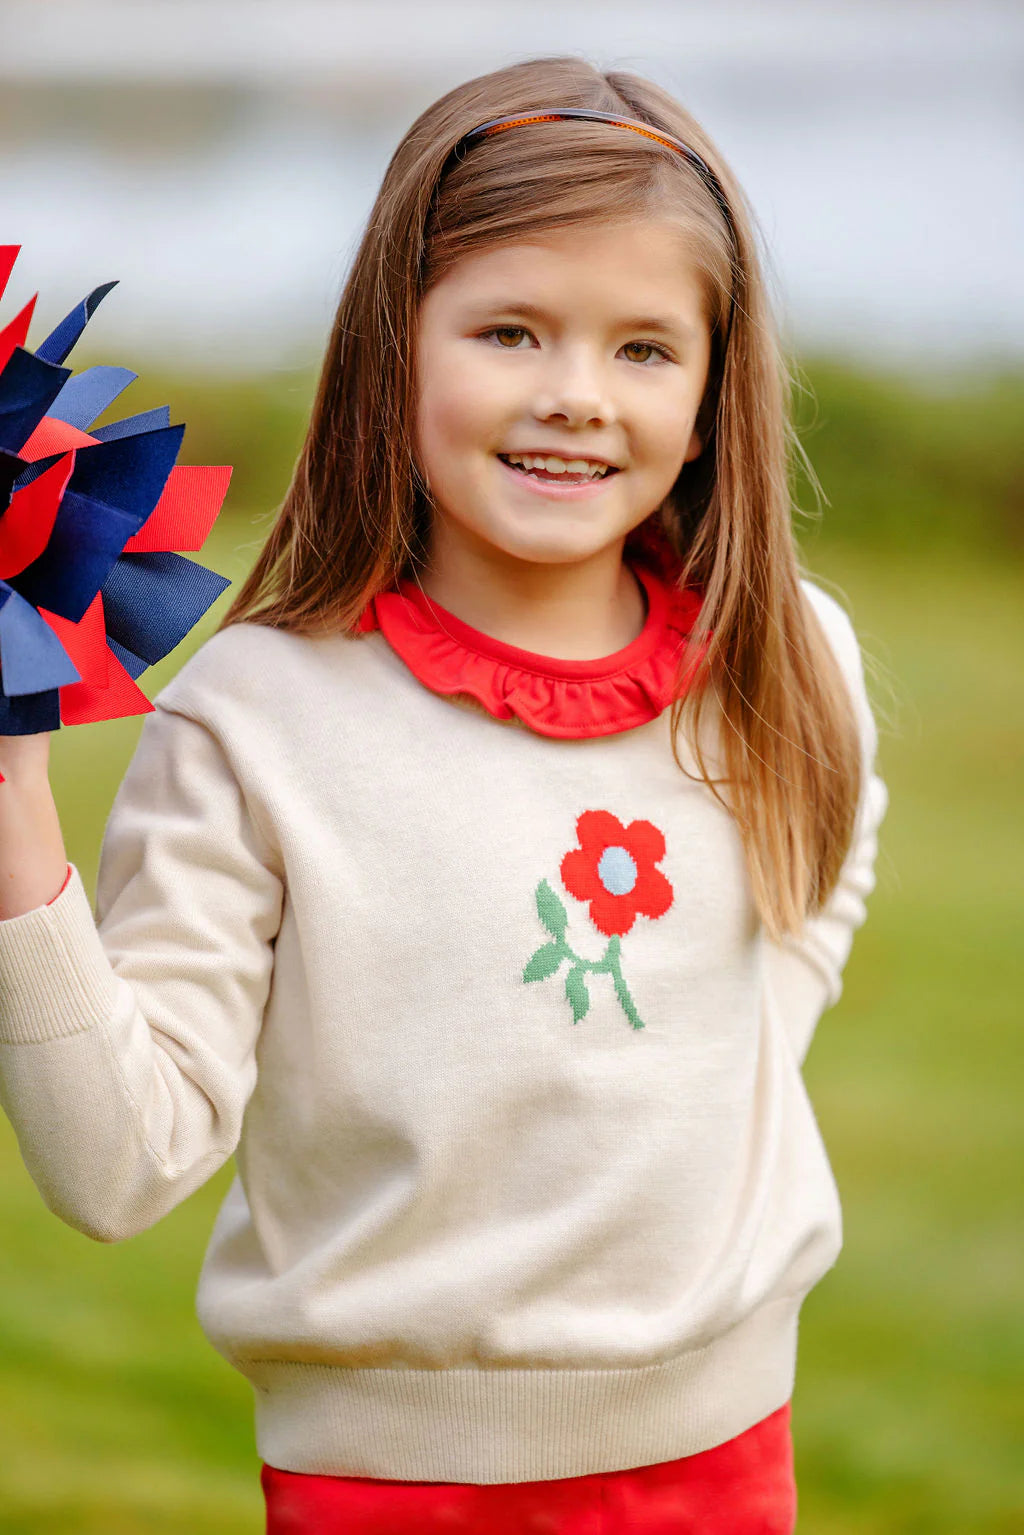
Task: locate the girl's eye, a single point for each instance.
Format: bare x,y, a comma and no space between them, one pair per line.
506,330
646,346
503,332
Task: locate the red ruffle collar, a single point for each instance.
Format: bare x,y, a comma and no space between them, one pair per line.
563,698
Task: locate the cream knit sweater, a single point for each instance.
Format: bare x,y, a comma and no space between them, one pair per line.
499,1215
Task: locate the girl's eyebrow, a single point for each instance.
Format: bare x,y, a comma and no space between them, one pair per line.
667,326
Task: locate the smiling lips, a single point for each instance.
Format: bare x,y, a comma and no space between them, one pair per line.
570,471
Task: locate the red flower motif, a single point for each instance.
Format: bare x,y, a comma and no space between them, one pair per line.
613,869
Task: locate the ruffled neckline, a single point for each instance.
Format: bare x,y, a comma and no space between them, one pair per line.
550,695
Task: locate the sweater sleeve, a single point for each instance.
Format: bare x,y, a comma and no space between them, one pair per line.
804,971
127,1042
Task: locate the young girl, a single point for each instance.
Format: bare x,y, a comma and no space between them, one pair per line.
480,882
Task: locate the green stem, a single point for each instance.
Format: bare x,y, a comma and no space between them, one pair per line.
609,962
578,959
621,989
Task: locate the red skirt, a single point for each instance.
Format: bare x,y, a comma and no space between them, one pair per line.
743,1487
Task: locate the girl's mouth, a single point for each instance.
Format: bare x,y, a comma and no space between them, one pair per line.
568,482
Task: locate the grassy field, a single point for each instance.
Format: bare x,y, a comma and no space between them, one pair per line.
117,1417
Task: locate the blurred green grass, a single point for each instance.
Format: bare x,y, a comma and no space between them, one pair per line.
117,1416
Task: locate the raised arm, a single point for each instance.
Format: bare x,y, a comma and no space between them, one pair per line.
127,1042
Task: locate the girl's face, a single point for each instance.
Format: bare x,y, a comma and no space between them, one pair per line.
587,343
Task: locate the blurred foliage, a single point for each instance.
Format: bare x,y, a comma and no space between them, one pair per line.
899,459
902,459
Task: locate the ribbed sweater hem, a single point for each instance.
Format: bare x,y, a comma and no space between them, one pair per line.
522,1425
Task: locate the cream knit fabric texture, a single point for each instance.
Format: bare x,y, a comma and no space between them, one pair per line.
528,1182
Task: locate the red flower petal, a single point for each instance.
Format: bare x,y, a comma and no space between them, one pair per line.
579,874
598,829
612,914
652,895
644,841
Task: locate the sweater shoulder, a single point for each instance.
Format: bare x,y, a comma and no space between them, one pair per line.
244,669
842,637
837,625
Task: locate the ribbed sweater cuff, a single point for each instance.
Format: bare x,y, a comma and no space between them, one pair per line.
55,977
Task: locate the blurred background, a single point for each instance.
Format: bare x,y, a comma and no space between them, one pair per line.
220,157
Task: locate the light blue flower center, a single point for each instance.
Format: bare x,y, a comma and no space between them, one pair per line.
617,871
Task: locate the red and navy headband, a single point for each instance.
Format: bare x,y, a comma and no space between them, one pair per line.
559,114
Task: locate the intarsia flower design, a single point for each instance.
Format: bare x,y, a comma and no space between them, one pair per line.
614,869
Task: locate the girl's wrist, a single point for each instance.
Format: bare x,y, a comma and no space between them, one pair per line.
25,759
33,860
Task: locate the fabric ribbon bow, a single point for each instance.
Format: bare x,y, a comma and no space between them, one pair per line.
91,592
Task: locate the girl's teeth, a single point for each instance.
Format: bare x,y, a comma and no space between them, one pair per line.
572,466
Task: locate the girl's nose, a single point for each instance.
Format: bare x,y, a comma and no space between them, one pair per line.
574,390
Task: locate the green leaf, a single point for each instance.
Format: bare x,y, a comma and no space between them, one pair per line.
577,993
545,962
550,909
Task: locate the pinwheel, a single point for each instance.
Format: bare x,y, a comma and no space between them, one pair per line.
91,590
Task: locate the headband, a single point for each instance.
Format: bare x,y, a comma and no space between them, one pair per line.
560,114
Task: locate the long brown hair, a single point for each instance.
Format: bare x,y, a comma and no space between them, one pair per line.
356,517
